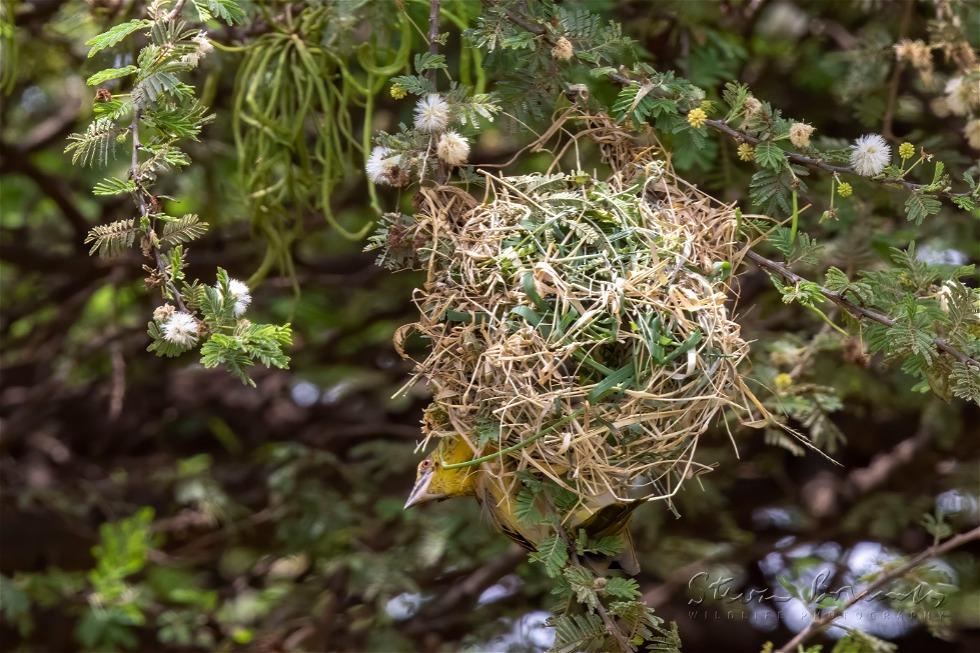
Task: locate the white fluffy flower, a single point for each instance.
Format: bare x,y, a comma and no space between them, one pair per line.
960,95
204,46
180,329
972,133
799,134
432,113
870,154
383,167
241,294
453,148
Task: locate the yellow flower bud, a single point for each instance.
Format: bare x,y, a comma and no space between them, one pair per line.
746,152
697,117
906,151
844,189
783,381
398,92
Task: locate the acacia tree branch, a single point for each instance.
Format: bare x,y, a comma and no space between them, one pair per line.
607,620
723,127
814,163
175,12
826,619
433,32
852,308
144,207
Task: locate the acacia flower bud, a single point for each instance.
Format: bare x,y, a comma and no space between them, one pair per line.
162,313
563,49
906,150
799,134
746,152
844,189
783,381
398,91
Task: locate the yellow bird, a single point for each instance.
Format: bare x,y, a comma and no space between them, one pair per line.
602,517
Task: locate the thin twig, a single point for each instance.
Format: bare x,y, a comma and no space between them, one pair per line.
823,621
851,307
144,208
819,164
175,12
886,121
433,35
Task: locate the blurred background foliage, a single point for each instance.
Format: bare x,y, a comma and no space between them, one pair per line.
150,504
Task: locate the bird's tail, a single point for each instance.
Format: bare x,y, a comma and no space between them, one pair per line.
627,559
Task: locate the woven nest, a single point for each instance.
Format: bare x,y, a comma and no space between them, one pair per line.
577,326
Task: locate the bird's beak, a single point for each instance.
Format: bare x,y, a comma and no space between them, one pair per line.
420,493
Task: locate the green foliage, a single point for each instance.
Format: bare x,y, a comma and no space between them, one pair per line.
249,343
226,583
115,35
553,554
860,642
181,230
229,11
114,186
771,189
122,551
165,111
919,206
584,632
112,239
97,145
110,73
837,282
769,155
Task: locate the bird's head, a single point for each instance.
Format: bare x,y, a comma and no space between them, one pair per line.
434,482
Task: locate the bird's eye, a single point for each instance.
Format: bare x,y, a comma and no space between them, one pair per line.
425,464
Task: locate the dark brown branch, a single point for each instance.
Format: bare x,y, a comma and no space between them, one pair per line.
144,207
433,34
823,621
851,307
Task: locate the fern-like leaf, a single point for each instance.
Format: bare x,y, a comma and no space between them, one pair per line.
96,145
965,381
182,230
114,186
113,238
115,34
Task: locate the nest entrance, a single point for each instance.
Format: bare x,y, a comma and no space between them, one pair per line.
579,327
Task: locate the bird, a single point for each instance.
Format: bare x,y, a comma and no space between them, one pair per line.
600,516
